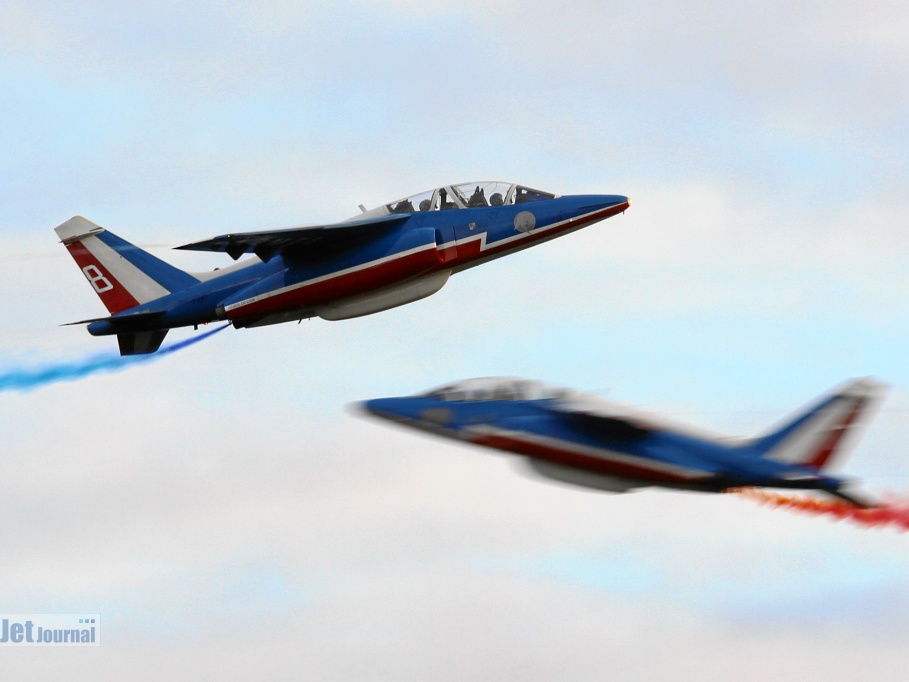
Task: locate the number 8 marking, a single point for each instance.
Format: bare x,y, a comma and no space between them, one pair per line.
97,279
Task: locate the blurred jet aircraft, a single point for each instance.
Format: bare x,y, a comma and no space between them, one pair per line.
582,439
391,255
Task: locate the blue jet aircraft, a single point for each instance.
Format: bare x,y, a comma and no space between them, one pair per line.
584,440
391,255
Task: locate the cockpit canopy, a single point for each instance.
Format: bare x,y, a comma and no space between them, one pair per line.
466,195
566,400
497,388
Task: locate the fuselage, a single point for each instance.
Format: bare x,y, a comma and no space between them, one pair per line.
619,444
412,260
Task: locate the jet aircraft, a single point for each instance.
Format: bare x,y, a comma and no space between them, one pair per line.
579,438
394,254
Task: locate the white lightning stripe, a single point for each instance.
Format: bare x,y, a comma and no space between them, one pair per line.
517,241
590,451
140,286
804,444
535,231
332,275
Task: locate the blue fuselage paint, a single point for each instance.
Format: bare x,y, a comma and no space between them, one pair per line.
519,426
472,236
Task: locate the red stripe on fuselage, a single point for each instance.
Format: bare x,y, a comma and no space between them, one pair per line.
366,279
112,293
548,453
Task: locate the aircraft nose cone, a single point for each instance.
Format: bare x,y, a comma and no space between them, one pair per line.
617,201
597,206
386,408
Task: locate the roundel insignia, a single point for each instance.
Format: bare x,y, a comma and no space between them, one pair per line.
436,415
525,222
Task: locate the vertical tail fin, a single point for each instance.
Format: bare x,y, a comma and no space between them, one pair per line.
122,275
816,435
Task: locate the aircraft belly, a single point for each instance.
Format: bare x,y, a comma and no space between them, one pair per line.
584,478
377,300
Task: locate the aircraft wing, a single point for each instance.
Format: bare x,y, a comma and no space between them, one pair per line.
266,244
605,423
613,428
625,431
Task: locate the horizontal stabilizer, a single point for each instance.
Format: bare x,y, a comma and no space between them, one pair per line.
858,501
266,244
125,322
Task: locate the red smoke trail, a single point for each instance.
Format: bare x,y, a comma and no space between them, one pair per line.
890,514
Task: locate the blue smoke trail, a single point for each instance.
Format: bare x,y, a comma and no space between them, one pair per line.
27,378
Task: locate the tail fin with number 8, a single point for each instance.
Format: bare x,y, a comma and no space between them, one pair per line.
122,275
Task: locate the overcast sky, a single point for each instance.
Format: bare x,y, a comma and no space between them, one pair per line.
231,520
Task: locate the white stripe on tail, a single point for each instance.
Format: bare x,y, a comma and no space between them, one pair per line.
816,435
122,275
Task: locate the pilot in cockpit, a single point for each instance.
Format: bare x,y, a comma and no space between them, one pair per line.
477,199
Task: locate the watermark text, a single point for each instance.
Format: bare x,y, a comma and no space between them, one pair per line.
50,629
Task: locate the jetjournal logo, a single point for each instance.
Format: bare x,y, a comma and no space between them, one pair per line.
50,629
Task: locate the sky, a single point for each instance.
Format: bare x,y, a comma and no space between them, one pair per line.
230,518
